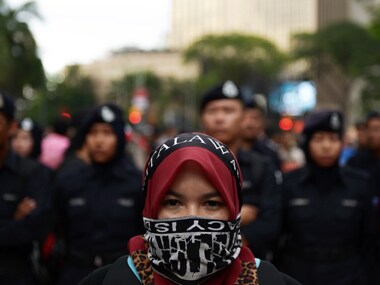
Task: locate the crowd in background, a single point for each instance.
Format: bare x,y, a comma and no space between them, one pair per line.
71,194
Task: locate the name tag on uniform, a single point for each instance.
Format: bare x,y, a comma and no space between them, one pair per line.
278,177
299,202
349,203
247,184
124,202
9,197
75,202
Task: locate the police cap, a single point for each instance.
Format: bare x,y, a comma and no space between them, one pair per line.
324,120
226,90
29,125
373,114
108,114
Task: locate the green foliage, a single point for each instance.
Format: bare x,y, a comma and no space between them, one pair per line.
374,27
371,93
121,90
72,95
245,59
21,65
350,47
164,94
347,44
76,92
179,95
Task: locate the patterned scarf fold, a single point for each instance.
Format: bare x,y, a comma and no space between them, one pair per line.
242,271
191,249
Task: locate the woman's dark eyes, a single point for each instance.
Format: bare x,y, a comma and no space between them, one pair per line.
213,204
172,202
176,203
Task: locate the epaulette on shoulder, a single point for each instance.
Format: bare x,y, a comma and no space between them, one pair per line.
27,166
355,173
272,145
295,174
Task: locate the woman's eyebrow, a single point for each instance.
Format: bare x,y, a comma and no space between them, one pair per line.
204,196
211,195
173,193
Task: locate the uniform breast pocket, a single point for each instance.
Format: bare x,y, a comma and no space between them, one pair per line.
348,210
301,210
8,205
77,208
123,209
79,216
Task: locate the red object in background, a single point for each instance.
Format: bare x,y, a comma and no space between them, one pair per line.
48,246
285,124
65,115
140,98
135,117
298,126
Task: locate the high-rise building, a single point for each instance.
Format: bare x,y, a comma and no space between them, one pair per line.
276,20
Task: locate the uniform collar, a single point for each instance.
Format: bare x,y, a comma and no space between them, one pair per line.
307,173
115,168
11,161
243,156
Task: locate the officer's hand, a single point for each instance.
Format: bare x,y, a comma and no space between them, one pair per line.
24,208
248,214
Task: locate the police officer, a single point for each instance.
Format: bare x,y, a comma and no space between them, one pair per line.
99,206
222,110
367,158
24,203
328,214
27,140
254,136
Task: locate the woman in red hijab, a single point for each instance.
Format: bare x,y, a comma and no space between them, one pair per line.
192,187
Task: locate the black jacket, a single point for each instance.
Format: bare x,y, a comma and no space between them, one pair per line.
262,189
121,273
20,178
328,225
98,208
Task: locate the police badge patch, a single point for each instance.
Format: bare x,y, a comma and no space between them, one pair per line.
230,90
335,122
107,115
26,124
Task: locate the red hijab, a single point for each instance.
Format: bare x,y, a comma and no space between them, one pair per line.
221,168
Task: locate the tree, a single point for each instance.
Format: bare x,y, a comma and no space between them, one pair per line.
171,100
346,46
374,25
121,90
179,96
74,94
245,59
20,64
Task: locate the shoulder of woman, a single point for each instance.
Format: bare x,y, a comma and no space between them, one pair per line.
96,277
269,275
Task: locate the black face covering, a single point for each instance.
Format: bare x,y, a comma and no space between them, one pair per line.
191,249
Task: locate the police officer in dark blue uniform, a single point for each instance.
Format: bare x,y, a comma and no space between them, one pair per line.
222,110
328,211
27,140
367,159
254,136
99,206
24,204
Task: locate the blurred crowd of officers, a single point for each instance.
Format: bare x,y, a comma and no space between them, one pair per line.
70,197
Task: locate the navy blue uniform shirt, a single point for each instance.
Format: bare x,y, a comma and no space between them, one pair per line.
328,225
262,189
99,207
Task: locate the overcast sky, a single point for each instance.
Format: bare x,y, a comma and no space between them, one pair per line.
80,31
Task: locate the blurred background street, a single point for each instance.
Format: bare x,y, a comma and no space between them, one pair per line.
154,58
